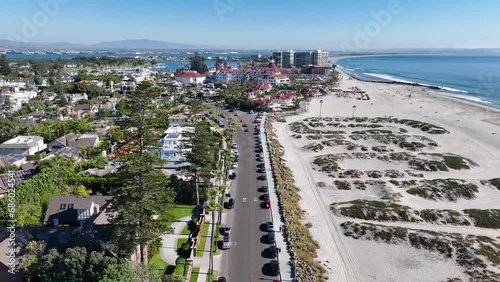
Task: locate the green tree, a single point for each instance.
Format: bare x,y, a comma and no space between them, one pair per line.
9,128
75,264
103,113
4,65
154,62
198,63
144,199
126,272
82,191
6,104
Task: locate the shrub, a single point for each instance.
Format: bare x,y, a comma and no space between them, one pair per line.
485,218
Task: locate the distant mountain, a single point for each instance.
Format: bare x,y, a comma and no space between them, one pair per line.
142,44
135,44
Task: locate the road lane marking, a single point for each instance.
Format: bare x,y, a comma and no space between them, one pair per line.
255,199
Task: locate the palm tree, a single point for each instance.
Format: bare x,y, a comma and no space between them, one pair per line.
212,206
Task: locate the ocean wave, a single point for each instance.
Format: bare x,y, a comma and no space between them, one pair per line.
452,89
388,77
463,97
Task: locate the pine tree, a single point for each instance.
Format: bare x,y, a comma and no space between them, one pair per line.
4,65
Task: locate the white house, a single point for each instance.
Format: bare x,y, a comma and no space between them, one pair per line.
75,97
178,120
25,145
19,98
189,77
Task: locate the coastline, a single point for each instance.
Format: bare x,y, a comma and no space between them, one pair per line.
474,133
425,88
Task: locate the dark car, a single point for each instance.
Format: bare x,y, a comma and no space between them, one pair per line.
275,267
270,226
246,130
245,125
264,197
221,279
262,177
261,165
230,203
271,237
263,189
273,251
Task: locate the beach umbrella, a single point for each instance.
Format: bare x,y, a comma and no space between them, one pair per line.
353,108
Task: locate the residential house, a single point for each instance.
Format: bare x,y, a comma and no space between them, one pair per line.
12,178
49,96
190,77
66,153
73,98
175,145
31,118
13,159
178,120
75,141
284,98
77,210
18,98
100,172
25,145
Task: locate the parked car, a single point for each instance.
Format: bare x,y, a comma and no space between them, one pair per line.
226,244
245,125
264,197
261,170
275,267
261,155
271,237
262,177
270,226
267,204
221,279
227,230
230,203
235,165
273,251
263,189
246,130
234,146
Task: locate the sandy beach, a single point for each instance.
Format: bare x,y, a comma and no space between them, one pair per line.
419,136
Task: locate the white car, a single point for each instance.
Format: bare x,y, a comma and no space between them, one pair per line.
235,165
234,146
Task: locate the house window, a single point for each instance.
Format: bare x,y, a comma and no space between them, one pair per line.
62,207
71,206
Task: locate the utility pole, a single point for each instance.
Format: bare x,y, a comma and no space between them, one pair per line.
320,107
353,108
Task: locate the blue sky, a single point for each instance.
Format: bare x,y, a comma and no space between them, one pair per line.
261,24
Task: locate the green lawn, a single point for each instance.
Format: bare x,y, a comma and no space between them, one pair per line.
194,274
180,211
214,112
181,241
213,277
159,263
203,241
186,230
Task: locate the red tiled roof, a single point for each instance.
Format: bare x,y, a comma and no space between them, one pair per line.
189,75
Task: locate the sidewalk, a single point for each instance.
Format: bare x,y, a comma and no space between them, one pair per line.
168,250
286,270
204,262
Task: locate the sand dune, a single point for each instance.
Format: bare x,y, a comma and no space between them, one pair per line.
474,134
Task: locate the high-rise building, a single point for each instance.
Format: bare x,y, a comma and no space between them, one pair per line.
302,59
284,59
319,58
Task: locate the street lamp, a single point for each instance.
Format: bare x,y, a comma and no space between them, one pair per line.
353,108
320,107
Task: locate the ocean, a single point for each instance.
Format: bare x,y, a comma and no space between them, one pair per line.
475,78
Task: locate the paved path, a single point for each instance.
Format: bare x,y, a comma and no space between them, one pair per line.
286,270
168,250
204,261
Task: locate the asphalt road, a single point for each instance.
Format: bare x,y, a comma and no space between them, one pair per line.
246,259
